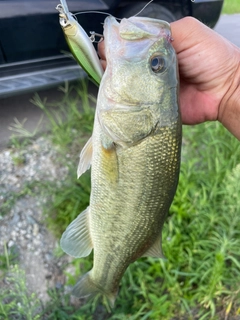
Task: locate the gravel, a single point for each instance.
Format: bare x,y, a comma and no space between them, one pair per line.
22,228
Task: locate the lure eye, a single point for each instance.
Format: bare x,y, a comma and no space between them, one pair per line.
63,22
158,64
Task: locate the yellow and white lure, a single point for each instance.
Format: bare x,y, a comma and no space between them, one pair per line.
79,43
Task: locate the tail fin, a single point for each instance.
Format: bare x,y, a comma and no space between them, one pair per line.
86,288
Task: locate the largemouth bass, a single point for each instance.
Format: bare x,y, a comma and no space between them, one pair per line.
134,152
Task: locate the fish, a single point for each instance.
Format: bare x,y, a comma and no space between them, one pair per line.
79,43
134,153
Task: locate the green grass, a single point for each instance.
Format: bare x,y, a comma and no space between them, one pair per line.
70,116
231,6
201,237
15,302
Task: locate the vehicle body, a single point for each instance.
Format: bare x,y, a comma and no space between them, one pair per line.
33,48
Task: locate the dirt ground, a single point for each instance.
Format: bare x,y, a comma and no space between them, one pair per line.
23,230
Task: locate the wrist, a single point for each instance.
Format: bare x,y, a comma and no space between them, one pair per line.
229,108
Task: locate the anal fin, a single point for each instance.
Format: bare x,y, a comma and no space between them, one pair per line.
76,239
155,250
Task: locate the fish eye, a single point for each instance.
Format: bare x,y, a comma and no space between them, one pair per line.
158,63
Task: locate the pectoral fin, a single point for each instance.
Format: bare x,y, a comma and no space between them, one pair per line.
155,250
76,240
85,158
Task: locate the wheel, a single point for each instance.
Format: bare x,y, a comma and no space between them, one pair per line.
153,10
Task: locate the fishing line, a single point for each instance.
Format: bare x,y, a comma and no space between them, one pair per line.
143,8
109,14
93,33
101,12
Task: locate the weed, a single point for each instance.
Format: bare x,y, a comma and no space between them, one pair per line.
15,302
72,119
18,128
21,137
18,160
7,259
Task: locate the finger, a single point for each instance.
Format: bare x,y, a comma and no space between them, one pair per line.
190,32
103,63
101,50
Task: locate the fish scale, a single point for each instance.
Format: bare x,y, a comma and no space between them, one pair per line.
134,153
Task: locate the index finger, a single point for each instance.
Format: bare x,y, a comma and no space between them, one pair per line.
101,53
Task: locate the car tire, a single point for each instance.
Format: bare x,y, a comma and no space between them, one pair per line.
153,10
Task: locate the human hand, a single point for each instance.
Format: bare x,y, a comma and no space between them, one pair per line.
209,68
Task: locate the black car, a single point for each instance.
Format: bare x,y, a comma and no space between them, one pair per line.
33,48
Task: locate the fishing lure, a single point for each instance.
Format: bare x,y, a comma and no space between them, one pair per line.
80,43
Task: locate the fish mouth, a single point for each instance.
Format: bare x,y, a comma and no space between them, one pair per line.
133,37
142,27
123,102
135,28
